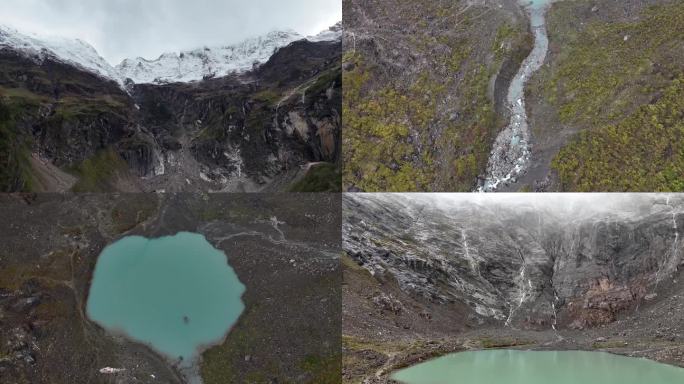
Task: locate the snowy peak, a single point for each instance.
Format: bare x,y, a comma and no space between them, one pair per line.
217,61
334,33
75,52
170,67
206,62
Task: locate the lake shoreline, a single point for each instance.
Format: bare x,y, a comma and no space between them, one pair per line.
410,352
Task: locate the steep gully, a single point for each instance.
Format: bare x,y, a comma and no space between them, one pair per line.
511,151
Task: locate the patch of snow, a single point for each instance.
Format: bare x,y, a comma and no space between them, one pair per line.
234,156
110,370
204,177
334,33
159,167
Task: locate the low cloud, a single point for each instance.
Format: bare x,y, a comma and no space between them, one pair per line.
129,28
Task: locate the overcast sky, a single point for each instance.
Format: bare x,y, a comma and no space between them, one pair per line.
129,28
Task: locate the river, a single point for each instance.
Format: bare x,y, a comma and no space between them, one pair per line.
510,155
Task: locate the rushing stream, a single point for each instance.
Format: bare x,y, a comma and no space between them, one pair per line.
511,152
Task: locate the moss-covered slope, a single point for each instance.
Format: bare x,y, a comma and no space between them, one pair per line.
610,96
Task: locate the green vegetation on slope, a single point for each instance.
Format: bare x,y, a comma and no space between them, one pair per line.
431,126
376,130
96,174
608,72
607,68
22,108
644,152
15,149
15,152
231,361
324,177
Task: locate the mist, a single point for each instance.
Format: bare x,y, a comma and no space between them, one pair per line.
121,29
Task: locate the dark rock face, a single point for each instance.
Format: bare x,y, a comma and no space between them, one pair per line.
58,113
139,155
252,129
524,265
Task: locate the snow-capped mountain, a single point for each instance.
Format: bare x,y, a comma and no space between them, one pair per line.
71,51
218,61
331,34
187,66
206,62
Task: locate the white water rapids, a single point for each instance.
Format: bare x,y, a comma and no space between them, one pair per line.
511,152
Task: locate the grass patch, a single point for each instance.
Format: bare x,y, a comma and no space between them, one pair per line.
320,178
606,69
96,174
70,108
489,343
622,83
15,152
327,79
378,156
644,152
268,96
608,344
323,370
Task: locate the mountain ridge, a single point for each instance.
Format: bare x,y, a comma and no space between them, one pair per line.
189,65
215,61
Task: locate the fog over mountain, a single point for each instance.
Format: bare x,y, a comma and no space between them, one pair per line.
128,28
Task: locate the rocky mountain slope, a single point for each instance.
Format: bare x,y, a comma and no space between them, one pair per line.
66,126
425,89
548,268
425,84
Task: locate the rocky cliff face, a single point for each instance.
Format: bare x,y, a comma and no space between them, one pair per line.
524,265
258,130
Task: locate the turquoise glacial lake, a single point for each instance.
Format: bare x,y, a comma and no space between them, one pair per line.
178,294
539,367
